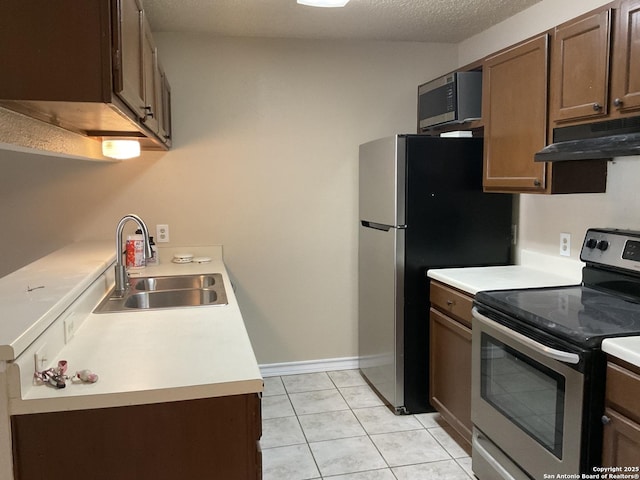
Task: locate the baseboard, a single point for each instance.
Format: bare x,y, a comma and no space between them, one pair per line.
308,366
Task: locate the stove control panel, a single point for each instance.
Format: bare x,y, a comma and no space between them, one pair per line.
613,248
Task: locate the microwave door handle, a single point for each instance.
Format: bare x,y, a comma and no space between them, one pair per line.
561,356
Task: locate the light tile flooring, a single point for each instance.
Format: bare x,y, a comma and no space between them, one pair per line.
333,426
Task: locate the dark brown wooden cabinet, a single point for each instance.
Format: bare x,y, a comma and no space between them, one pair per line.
151,79
625,77
450,356
128,71
621,437
595,68
210,438
580,68
514,111
97,79
164,110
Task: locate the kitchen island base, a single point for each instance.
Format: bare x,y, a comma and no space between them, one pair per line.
213,438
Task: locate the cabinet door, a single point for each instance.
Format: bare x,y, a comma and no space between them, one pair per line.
208,438
128,77
621,441
164,106
625,79
580,68
450,371
514,111
150,75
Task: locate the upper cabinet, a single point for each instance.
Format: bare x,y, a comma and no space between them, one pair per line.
595,69
128,67
514,111
101,78
625,77
580,68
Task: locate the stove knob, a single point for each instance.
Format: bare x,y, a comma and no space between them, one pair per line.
602,245
591,243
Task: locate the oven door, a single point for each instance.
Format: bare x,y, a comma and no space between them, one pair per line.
526,400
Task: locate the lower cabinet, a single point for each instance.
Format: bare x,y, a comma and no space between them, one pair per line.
450,356
212,438
621,437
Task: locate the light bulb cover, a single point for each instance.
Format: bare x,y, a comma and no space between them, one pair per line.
323,3
120,149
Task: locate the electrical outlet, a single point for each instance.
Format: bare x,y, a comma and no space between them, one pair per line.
162,233
40,358
69,328
565,244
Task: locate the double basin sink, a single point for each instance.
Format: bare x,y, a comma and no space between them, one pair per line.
151,293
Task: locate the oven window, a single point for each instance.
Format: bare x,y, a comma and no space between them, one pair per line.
528,393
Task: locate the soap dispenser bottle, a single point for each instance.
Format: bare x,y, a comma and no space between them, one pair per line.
155,259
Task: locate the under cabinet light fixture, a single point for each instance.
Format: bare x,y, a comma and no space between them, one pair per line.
121,149
323,3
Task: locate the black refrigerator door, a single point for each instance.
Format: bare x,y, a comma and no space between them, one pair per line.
450,223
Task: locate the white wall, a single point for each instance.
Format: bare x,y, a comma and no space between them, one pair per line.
266,136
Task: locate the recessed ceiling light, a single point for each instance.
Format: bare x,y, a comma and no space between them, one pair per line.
323,3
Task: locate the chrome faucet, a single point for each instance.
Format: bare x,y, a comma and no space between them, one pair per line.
121,274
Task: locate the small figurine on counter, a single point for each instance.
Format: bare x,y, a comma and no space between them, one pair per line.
86,376
56,376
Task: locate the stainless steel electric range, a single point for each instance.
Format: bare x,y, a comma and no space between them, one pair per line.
538,372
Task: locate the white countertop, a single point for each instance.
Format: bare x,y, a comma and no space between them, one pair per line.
63,275
474,279
625,348
146,356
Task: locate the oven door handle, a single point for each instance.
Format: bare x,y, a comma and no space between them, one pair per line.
561,356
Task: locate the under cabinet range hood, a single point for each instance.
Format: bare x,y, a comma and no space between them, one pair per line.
593,141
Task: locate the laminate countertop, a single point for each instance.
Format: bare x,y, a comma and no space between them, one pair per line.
142,356
535,270
625,348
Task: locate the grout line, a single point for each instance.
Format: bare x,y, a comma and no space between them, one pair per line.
366,433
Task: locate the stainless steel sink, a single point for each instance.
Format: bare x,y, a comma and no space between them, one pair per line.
150,293
171,298
178,282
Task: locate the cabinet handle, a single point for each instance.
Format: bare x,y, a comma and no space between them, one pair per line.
451,302
605,419
597,107
617,102
148,112
536,183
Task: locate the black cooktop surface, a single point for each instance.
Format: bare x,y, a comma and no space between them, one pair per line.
578,314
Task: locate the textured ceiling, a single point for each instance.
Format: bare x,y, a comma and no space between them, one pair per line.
393,20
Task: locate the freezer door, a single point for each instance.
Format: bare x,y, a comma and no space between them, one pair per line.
382,181
381,311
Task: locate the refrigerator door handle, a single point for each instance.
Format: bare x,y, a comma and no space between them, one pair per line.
380,226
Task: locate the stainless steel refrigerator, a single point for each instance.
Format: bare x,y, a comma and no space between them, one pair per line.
421,207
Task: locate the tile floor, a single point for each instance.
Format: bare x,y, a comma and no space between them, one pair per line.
331,425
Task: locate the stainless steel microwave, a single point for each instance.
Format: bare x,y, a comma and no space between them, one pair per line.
454,98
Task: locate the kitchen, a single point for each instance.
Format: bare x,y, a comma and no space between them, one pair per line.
245,146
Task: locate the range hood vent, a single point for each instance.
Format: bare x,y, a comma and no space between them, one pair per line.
593,141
